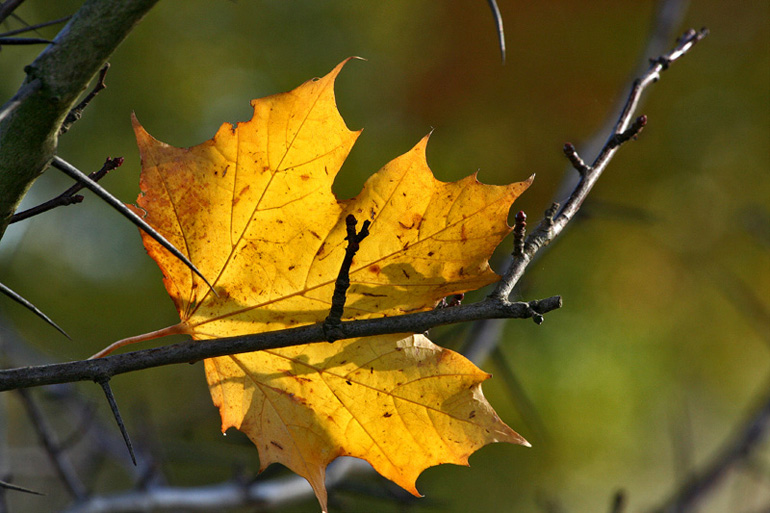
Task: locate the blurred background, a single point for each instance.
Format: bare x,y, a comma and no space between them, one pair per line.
661,348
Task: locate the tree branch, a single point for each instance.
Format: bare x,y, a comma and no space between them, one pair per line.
746,439
192,351
626,128
29,131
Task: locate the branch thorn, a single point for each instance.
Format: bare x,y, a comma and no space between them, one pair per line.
105,384
32,308
118,205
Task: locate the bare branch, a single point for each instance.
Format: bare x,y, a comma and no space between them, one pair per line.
740,446
192,351
258,495
6,8
625,129
60,462
70,196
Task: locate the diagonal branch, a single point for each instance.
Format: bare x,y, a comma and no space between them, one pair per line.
627,127
118,205
70,196
60,462
748,438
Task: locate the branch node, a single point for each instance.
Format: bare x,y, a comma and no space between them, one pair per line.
449,302
572,155
332,326
519,233
104,382
77,112
632,132
550,213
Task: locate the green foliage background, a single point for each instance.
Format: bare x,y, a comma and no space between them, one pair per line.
663,340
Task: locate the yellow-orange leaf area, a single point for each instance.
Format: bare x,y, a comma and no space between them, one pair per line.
253,209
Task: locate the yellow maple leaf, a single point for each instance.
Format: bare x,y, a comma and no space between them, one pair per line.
253,209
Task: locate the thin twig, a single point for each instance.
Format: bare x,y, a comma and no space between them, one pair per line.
60,462
626,128
192,351
333,321
77,112
32,308
258,495
118,205
17,488
746,439
70,196
35,27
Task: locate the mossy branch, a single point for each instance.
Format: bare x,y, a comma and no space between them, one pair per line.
55,80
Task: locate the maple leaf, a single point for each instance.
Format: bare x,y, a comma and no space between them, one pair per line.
253,209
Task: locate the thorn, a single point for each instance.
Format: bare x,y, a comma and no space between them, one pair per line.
24,41
29,306
105,384
115,203
499,26
9,486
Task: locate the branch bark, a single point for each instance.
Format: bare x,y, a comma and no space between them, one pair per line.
55,80
192,351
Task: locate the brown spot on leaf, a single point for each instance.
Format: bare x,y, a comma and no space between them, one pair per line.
374,268
305,177
387,414
276,444
472,414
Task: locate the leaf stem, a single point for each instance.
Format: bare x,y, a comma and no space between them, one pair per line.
176,329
